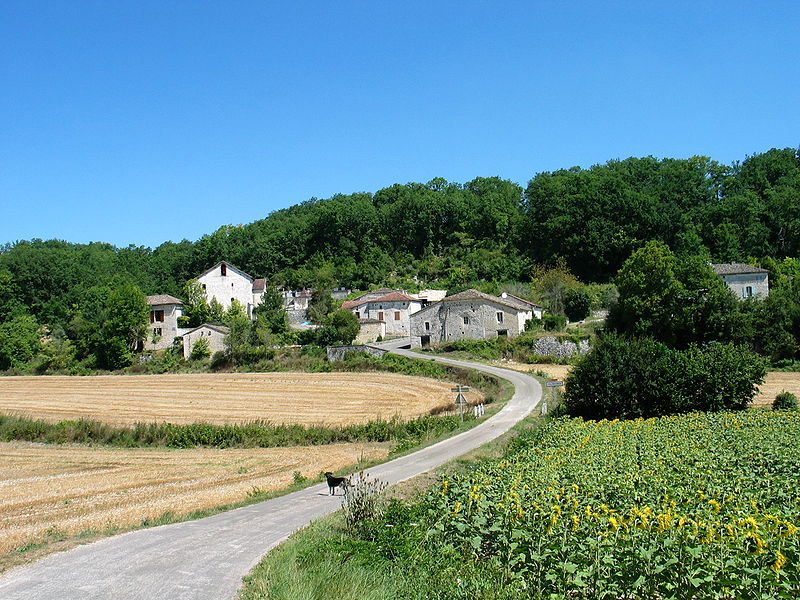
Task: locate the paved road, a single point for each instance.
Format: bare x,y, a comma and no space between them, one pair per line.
207,558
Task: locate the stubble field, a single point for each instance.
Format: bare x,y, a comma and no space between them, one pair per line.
302,398
46,491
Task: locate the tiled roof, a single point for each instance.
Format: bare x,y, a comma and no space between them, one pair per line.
395,297
528,302
475,295
736,269
162,299
218,328
259,285
390,297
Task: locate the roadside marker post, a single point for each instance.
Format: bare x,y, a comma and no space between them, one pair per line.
460,400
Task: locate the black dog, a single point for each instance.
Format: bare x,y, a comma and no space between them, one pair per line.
334,482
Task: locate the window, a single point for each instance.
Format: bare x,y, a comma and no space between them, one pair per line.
358,315
204,287
156,330
397,315
157,316
233,300
502,333
466,320
380,316
427,326
747,292
223,269
499,317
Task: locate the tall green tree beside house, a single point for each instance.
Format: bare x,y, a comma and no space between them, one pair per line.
110,323
675,300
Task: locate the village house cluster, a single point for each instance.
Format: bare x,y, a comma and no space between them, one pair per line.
428,317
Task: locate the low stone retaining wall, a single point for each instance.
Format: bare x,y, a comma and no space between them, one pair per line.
336,353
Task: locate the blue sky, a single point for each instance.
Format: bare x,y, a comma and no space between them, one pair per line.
142,122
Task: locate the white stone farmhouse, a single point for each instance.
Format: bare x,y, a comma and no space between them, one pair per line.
744,280
226,283
470,315
163,328
391,307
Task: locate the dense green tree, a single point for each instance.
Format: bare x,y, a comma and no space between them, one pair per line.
629,377
111,323
675,300
577,304
339,327
19,342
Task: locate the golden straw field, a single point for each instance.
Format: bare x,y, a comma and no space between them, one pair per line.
225,398
71,489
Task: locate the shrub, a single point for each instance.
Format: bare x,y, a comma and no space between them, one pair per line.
361,504
639,377
577,304
200,350
554,322
785,401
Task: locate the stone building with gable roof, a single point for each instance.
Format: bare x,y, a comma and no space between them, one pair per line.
470,315
746,281
163,328
390,307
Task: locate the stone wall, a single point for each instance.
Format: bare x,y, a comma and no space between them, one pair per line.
336,353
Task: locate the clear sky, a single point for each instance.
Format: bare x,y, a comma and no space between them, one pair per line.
147,121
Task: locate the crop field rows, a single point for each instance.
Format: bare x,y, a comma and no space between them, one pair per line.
692,506
307,399
70,489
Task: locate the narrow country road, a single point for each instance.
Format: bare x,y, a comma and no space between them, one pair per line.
206,559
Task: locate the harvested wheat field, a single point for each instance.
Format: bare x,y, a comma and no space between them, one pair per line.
775,383
553,371
74,489
304,398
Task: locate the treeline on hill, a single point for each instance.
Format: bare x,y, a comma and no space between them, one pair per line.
443,234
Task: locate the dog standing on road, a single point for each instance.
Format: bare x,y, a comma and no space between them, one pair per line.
334,482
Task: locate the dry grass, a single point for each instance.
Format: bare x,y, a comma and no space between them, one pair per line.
74,489
553,371
775,383
304,398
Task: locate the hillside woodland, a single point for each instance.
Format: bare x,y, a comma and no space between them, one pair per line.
566,229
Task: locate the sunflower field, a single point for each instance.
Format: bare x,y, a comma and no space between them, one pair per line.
683,507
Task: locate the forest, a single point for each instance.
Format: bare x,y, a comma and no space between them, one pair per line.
482,233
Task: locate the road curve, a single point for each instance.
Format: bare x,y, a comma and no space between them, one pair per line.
206,559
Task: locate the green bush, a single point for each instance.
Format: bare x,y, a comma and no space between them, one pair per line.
554,322
639,377
200,349
785,401
577,304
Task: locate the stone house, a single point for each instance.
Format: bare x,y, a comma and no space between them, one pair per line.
163,328
470,315
392,308
371,330
213,334
744,280
536,309
226,283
